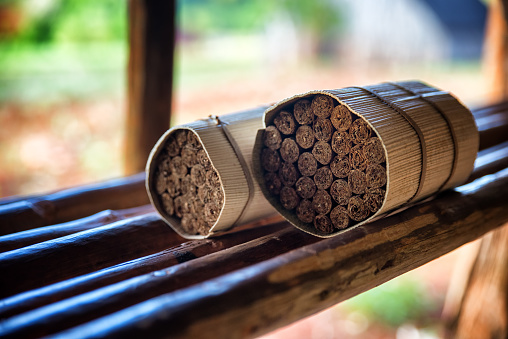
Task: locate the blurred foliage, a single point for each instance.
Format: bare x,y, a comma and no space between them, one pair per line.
395,303
54,21
200,16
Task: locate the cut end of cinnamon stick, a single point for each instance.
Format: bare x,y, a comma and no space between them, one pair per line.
357,209
322,105
341,118
288,198
272,138
285,123
303,112
305,136
289,150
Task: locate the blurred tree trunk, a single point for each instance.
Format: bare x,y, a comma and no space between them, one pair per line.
496,50
482,310
150,77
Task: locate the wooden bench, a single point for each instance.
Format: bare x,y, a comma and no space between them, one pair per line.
122,272
97,261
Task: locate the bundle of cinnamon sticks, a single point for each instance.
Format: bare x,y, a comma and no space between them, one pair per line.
332,160
325,160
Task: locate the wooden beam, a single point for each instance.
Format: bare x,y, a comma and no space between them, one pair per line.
257,299
84,252
150,77
29,237
72,203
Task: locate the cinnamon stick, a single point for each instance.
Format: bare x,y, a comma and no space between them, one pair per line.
373,151
323,178
288,174
288,198
375,176
305,212
341,118
340,191
323,129
357,158
305,187
339,218
270,160
322,152
285,123
289,150
357,208
322,202
340,167
360,131
357,181
323,224
307,164
272,138
322,105
303,112
305,136
273,183
341,143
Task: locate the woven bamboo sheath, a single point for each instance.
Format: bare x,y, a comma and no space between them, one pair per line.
199,175
344,157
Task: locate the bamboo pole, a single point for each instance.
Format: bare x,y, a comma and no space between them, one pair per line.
84,252
262,297
72,203
29,237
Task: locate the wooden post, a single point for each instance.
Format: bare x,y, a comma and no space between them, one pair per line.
150,77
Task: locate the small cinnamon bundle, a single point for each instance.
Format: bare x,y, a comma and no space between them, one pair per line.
199,174
184,187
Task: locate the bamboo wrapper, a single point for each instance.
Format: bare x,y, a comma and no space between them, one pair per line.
228,143
429,140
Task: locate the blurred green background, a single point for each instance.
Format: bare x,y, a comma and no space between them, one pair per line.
63,97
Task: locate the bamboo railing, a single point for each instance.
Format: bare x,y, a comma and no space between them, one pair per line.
123,273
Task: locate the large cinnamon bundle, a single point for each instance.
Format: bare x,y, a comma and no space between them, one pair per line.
199,175
332,160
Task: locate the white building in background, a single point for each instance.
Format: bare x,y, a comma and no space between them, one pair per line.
391,31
